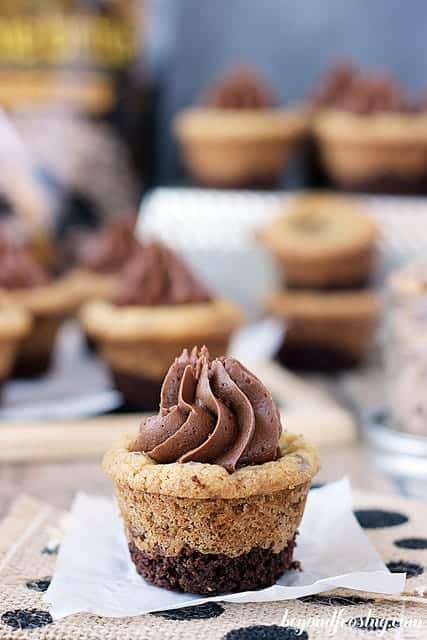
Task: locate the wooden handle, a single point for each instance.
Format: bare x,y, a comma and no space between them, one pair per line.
65,440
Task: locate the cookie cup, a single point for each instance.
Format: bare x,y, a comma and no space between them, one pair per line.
237,148
383,152
323,241
139,343
89,285
325,331
15,325
194,527
48,305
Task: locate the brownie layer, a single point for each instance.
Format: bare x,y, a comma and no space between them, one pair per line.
139,392
315,357
210,574
31,367
91,344
251,183
357,285
388,184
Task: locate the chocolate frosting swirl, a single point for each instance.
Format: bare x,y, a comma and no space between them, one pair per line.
213,411
18,270
350,89
240,88
155,276
111,248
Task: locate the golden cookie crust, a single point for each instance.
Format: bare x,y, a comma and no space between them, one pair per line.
357,148
342,320
166,323
57,298
388,128
15,322
329,305
210,124
297,466
89,285
319,226
323,240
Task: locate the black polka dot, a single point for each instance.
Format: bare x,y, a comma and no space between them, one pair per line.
410,568
26,618
201,612
266,632
377,518
335,601
51,551
411,543
41,585
371,623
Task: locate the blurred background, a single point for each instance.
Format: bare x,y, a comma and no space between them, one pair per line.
190,44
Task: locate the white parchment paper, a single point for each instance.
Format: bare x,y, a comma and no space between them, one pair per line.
94,573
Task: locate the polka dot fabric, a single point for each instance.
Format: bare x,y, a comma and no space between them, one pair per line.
25,573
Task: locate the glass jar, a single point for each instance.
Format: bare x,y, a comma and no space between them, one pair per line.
406,349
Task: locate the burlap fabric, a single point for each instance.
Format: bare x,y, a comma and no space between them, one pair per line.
28,543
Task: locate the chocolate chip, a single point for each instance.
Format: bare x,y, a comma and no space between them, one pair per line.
41,585
201,612
377,518
411,569
51,551
266,632
332,601
411,543
370,623
26,618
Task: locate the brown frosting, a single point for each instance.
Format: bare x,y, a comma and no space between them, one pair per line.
213,411
111,248
240,88
18,270
350,89
155,275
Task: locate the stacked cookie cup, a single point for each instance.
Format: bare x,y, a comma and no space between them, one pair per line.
325,248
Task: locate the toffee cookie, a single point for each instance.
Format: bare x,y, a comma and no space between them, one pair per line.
211,491
323,241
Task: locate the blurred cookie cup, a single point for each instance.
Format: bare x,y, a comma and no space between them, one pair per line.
211,491
49,302
325,331
237,137
15,325
372,138
158,308
323,241
101,258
